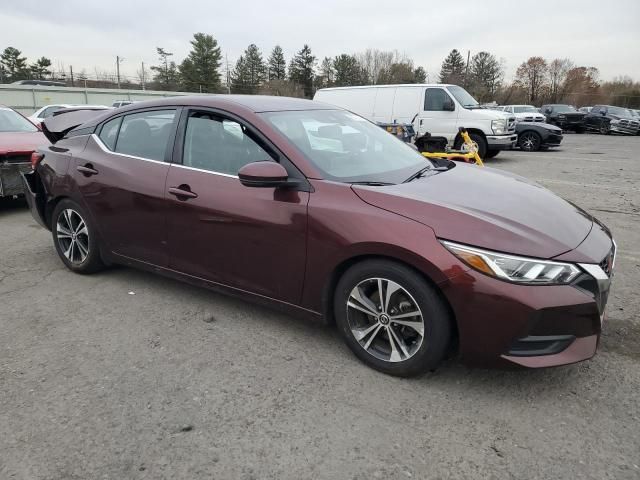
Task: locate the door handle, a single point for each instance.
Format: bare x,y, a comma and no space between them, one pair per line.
87,170
183,192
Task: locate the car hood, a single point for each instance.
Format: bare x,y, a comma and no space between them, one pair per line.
21,141
487,208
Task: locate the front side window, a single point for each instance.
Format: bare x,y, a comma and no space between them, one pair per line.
435,99
145,134
347,148
219,145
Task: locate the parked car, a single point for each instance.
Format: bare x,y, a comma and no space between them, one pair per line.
318,211
121,103
524,113
435,109
18,140
534,136
564,116
41,83
636,116
39,115
607,118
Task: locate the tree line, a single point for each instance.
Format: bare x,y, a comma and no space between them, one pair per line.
537,80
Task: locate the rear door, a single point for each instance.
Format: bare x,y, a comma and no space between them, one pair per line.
121,177
253,239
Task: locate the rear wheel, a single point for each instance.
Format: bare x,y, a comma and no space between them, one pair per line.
604,129
75,238
530,141
391,318
492,153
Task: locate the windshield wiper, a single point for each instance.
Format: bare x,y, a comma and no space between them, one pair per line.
422,171
372,184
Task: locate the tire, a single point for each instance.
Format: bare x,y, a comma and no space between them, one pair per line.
75,238
478,140
604,129
415,345
529,141
492,153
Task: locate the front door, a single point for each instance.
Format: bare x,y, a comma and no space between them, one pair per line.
435,117
121,176
253,239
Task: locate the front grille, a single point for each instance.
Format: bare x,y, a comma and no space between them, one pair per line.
539,119
574,117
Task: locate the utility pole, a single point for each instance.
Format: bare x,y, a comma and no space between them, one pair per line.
118,61
226,56
466,70
142,76
71,68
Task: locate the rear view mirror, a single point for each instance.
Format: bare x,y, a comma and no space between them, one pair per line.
264,174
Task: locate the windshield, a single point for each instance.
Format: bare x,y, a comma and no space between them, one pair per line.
619,111
564,109
11,121
463,97
347,148
525,109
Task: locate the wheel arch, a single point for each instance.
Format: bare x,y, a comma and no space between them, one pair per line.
458,137
328,292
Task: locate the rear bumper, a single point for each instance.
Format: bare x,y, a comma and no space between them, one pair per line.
34,197
502,142
10,181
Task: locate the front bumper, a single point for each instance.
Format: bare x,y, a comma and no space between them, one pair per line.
627,130
10,181
501,142
552,140
502,324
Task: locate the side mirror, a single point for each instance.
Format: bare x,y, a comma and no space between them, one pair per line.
547,111
264,174
448,106
603,112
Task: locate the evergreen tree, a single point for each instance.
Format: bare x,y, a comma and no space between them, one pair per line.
200,70
420,75
453,68
250,71
301,70
40,69
277,64
14,66
240,77
348,71
166,74
486,74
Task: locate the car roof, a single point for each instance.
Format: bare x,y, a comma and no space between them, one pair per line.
254,103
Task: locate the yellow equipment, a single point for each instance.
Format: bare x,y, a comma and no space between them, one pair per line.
469,151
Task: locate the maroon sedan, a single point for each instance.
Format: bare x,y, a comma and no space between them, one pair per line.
313,209
18,140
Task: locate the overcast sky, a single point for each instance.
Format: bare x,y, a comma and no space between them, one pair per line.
89,34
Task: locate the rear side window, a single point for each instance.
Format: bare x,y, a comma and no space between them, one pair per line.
434,99
109,133
145,134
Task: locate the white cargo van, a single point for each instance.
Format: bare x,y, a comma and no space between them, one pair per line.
437,109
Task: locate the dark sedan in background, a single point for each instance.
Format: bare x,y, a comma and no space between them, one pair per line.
536,136
564,116
609,119
318,211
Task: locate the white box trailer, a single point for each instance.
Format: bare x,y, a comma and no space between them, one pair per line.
438,109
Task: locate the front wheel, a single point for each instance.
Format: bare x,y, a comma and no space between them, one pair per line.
604,129
492,153
75,238
479,143
391,318
530,141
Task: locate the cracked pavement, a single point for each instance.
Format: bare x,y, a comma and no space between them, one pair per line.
178,382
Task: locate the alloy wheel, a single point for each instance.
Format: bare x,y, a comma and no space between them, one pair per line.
529,142
604,129
73,236
385,320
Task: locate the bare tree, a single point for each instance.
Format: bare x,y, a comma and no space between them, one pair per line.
557,73
532,74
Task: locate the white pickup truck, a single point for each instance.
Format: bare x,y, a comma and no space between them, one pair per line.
438,109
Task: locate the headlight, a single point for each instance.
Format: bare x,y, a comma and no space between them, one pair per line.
498,126
513,268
